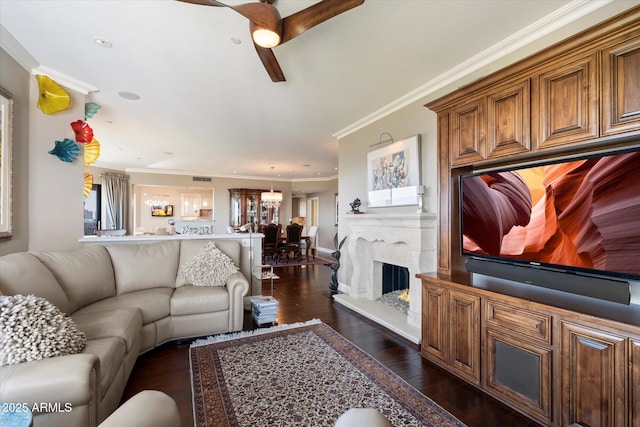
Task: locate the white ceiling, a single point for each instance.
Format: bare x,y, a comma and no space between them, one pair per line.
210,102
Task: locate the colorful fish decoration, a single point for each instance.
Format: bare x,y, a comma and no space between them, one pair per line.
53,98
66,150
88,184
83,131
91,152
90,109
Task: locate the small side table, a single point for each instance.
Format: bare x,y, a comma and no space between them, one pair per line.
264,308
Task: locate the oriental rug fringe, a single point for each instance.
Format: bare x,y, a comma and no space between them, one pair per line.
298,375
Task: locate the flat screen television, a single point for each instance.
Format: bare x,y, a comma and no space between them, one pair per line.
575,215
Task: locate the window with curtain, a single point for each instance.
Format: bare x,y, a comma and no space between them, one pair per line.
116,200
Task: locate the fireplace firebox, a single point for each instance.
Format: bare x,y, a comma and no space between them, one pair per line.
394,278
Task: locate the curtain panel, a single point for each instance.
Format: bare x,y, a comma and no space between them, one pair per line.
116,192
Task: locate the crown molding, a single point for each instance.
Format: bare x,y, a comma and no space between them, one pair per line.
542,27
64,80
29,63
210,175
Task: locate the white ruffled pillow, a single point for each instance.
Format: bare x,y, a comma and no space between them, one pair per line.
31,328
211,267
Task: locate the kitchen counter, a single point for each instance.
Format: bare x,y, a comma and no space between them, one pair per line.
156,238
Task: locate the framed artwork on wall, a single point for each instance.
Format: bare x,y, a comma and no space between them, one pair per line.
393,174
6,145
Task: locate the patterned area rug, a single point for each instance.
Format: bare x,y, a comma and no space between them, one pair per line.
298,375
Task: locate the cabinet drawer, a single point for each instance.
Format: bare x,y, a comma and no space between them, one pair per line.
529,323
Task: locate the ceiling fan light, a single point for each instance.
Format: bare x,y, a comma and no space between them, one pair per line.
265,38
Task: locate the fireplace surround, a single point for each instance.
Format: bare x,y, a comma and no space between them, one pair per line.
403,239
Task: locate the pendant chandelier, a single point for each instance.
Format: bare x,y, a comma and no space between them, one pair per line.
271,199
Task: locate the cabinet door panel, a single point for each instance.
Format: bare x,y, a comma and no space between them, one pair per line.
520,372
568,103
634,383
468,133
464,340
434,329
593,377
621,87
509,122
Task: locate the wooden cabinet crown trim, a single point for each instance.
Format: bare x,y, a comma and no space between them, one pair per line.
589,40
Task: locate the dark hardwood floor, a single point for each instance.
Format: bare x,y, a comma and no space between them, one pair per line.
302,295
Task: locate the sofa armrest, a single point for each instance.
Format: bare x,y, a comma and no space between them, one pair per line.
149,408
238,287
70,381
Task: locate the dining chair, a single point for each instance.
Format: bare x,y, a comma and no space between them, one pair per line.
292,242
270,242
309,244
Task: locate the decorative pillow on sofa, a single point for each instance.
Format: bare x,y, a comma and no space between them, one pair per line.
210,267
31,328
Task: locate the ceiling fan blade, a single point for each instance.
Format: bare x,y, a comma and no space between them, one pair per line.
264,15
205,2
299,22
270,63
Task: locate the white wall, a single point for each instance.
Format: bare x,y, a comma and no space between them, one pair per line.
56,193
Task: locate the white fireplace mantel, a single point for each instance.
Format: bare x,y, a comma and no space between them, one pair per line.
407,240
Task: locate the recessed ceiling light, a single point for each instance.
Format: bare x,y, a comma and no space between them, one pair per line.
235,40
101,41
168,153
129,95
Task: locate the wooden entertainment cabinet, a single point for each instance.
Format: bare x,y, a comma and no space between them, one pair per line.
563,361
560,367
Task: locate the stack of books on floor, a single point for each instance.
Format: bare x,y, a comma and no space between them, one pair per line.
264,309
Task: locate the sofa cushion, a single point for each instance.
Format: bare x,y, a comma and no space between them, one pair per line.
210,267
190,248
23,273
124,323
85,275
31,328
110,351
144,266
198,299
153,303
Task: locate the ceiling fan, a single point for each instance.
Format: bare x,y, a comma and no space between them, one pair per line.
268,29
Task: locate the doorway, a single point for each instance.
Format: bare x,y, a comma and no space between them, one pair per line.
312,211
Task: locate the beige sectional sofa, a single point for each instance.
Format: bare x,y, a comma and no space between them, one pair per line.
127,299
